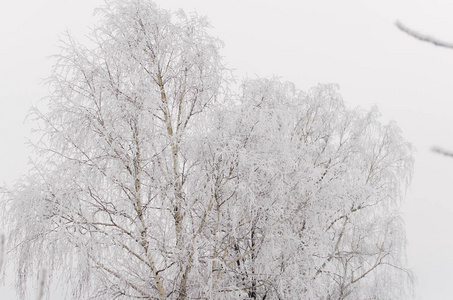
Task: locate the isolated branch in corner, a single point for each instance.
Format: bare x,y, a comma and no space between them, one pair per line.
423,37
442,151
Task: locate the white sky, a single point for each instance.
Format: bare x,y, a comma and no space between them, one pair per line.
351,42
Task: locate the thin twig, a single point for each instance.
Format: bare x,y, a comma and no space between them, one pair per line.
422,37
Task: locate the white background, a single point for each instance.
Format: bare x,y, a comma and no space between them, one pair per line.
353,43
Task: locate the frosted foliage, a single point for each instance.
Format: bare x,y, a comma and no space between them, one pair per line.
154,181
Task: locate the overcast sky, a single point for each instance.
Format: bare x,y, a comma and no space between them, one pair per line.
352,43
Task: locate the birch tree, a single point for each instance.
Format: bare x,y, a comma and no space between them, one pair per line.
153,180
328,182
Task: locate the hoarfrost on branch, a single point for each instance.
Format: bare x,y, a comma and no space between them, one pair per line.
154,180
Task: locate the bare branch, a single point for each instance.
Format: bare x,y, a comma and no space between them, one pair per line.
442,151
422,37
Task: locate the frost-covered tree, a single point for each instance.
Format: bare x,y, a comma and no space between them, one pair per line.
324,182
153,180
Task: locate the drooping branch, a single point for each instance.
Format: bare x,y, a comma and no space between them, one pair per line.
422,37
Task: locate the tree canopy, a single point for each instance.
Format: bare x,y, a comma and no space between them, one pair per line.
155,179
